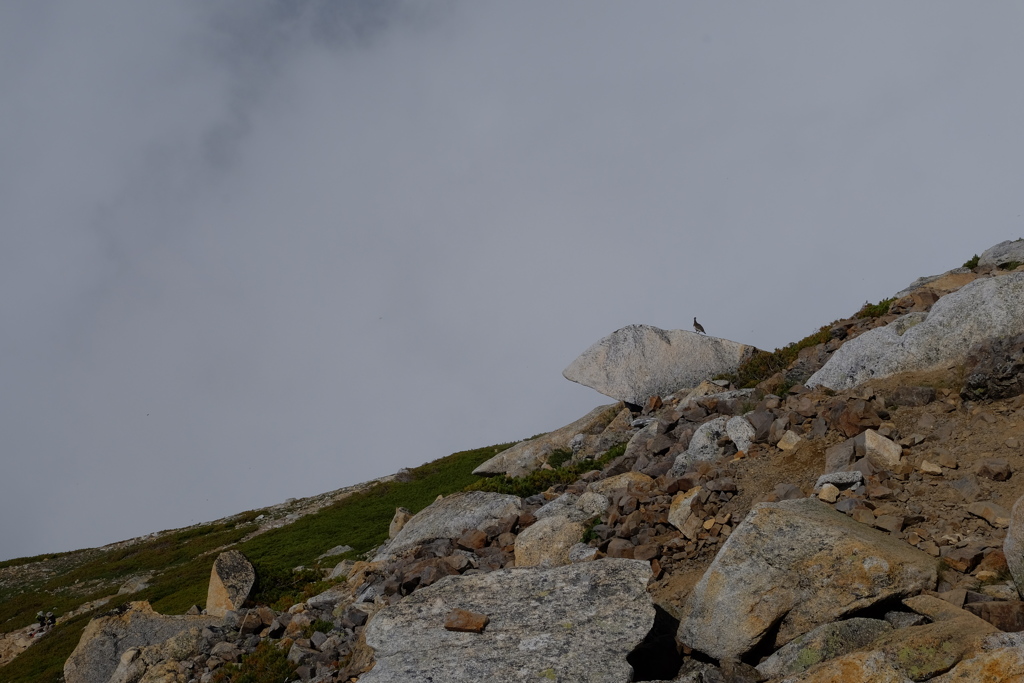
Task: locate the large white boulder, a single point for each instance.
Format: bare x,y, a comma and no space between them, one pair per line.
1005,252
572,623
790,567
639,361
981,310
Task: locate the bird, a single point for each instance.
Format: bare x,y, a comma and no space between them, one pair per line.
698,327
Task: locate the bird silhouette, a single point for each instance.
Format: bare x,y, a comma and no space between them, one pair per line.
698,327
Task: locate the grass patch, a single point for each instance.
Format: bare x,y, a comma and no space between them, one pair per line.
267,664
875,310
559,457
764,364
972,262
1009,265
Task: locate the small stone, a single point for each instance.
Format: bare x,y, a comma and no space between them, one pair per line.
829,493
466,621
930,468
789,441
996,469
840,480
1012,443
864,516
891,523
947,459
994,514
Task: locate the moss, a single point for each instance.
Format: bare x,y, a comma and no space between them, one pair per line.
807,658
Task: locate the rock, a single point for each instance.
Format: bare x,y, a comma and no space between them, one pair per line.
996,469
639,361
679,512
839,456
231,580
628,480
1013,545
789,441
109,637
840,480
994,514
1005,616
795,565
449,517
1001,660
987,308
527,456
547,542
402,515
135,584
912,396
950,281
883,453
465,621
873,667
581,552
929,468
828,493
573,623
577,508
703,446
995,369
823,643
741,432
1003,253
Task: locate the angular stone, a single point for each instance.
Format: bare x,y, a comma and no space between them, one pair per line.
996,469
741,432
839,456
984,309
402,515
639,361
1005,616
912,396
840,480
789,441
996,515
929,468
106,639
465,621
448,518
1001,661
548,541
231,580
679,512
573,623
963,560
821,644
635,481
855,667
883,453
703,446
527,456
828,494
795,564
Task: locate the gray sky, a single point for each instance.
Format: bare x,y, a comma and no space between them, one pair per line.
259,250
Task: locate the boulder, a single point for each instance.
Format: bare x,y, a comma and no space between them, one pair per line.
741,432
231,580
873,667
821,644
572,623
109,638
402,515
449,517
547,541
995,369
1001,660
984,309
639,361
1002,254
790,567
526,456
1013,545
703,446
943,283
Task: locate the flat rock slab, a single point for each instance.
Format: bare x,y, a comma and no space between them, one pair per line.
795,565
108,637
526,456
574,623
823,643
983,309
639,361
449,517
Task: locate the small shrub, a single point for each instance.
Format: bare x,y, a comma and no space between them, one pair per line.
267,664
1009,265
541,480
588,533
875,310
559,457
321,625
763,364
972,262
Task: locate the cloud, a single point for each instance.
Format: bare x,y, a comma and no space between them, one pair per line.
266,250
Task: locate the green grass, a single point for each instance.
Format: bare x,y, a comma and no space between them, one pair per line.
267,664
875,310
185,557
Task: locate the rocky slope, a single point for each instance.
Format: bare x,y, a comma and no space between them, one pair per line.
848,517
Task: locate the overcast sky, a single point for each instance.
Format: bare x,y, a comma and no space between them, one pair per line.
266,249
